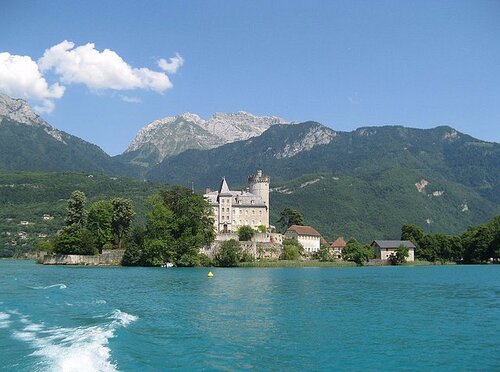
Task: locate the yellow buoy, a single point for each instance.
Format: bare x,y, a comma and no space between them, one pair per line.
210,274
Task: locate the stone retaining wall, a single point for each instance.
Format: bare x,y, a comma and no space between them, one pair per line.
107,258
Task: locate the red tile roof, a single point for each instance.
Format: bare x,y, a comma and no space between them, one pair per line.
339,243
304,230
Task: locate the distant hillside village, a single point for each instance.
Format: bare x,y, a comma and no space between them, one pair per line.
237,209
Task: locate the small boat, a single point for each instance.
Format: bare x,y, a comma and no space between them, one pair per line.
168,264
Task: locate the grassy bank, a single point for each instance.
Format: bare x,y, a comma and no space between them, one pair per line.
284,263
428,263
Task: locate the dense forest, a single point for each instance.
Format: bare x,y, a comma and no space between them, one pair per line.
478,244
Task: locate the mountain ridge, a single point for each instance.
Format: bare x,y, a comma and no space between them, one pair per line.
372,172
29,143
172,135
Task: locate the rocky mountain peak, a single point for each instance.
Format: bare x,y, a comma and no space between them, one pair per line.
174,134
19,111
316,135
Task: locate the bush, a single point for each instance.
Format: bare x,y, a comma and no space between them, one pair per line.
292,250
229,254
245,233
356,252
204,260
400,256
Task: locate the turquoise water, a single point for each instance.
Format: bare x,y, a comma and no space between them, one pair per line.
381,318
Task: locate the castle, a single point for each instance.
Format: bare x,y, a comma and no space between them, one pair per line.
233,209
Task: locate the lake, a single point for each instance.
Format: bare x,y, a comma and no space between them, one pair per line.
126,319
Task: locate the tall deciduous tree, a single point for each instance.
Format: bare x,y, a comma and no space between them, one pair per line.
76,214
179,223
289,217
100,222
412,233
357,252
123,214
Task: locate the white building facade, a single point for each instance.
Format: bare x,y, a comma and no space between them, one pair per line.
307,236
233,209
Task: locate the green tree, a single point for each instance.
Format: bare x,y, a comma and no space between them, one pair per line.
289,217
245,233
44,246
178,224
121,219
494,247
74,240
414,234
76,214
292,249
324,253
478,243
357,252
229,253
99,222
262,229
134,255
152,246
428,248
400,256
67,240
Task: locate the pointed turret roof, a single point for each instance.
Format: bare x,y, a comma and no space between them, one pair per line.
224,188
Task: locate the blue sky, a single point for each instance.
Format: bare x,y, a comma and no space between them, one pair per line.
345,64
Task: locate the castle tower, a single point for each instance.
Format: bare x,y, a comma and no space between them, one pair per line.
259,185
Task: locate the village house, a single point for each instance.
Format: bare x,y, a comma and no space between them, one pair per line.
337,247
47,217
307,236
385,248
24,223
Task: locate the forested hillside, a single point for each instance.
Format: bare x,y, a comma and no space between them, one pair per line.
30,196
365,183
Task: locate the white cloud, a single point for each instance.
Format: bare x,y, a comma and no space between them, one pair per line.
99,70
172,65
129,99
21,78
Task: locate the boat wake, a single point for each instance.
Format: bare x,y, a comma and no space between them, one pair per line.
59,285
72,349
5,320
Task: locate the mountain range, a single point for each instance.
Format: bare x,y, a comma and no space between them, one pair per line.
170,136
365,183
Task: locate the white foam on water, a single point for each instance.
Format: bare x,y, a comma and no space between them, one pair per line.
75,349
5,320
123,318
99,302
33,327
4,316
60,285
24,336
